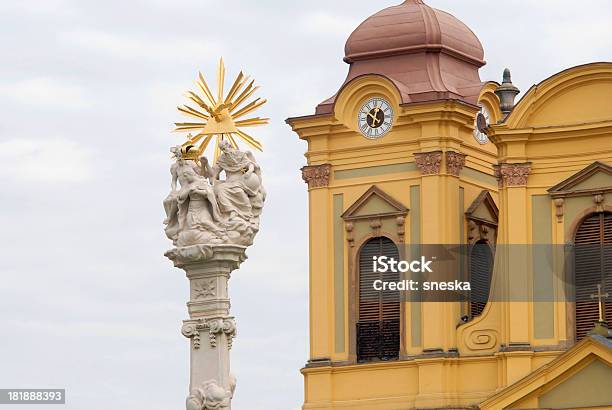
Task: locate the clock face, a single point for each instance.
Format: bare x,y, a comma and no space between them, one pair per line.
375,118
482,122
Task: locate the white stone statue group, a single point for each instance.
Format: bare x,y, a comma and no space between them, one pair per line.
203,209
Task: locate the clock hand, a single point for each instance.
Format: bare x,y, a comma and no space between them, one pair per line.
375,119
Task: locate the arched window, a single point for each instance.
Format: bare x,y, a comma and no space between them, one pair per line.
481,268
593,266
378,326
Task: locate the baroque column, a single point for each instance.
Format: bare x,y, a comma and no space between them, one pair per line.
211,225
212,216
210,326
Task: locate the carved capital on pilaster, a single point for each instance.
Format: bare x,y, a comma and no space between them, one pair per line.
219,326
512,175
316,176
455,161
429,163
192,330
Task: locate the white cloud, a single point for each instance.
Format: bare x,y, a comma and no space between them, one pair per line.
323,23
135,48
55,160
34,7
45,92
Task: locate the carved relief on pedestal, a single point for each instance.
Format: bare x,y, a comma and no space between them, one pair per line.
429,163
455,161
316,176
512,175
192,330
210,396
204,289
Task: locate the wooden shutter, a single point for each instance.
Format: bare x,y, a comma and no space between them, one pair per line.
607,263
378,327
593,266
481,267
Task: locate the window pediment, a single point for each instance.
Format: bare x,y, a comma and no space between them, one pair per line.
483,210
374,203
594,179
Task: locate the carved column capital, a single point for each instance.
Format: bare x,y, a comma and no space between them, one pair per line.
428,162
455,161
512,175
191,329
316,176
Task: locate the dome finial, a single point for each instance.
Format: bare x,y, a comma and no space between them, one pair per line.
507,92
507,77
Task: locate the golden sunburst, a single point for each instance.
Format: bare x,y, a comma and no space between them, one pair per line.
221,115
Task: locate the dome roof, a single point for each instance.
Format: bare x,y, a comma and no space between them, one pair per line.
413,27
427,54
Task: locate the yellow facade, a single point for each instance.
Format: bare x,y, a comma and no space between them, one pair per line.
559,128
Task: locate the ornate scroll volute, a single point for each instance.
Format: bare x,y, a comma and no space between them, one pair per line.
483,334
192,330
316,176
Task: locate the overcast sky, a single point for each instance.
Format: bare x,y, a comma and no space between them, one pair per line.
88,95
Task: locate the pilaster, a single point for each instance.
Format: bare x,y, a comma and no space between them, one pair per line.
210,327
513,195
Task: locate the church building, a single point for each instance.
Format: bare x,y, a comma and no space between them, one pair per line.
414,150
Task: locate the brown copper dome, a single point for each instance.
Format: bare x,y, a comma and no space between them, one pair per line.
428,54
409,28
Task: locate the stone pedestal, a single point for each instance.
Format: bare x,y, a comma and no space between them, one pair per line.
210,327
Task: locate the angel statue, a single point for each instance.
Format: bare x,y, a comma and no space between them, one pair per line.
192,212
241,194
202,208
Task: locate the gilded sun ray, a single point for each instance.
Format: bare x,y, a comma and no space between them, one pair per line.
218,116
